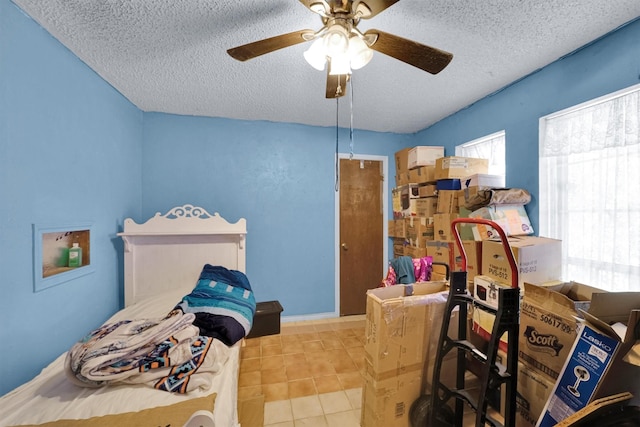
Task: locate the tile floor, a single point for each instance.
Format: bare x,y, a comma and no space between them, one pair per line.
310,374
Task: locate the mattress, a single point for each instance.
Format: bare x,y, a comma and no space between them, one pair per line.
50,396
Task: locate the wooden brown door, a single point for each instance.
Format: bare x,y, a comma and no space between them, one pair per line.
361,232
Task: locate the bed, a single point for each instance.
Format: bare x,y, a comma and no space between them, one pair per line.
163,258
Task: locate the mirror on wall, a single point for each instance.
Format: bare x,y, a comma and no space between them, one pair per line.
61,253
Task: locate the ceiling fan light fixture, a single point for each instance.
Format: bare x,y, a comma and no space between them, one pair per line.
359,53
315,55
336,40
339,65
320,7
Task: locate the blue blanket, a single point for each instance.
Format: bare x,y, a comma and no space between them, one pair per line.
223,303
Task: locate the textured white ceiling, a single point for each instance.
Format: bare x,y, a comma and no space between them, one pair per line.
170,55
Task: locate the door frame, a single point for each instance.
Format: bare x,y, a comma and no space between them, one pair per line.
385,216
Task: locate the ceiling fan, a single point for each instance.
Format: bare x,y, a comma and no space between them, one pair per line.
342,47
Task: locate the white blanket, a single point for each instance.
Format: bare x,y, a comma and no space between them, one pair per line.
164,353
51,396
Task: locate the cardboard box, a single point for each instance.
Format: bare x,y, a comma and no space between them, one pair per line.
386,402
538,259
548,325
447,201
399,246
400,228
403,205
427,190
473,251
482,326
402,160
408,210
402,178
415,251
426,206
618,309
533,391
513,220
483,180
446,253
399,323
418,231
422,174
589,360
460,167
442,226
401,334
485,289
396,201
465,230
596,366
423,155
409,191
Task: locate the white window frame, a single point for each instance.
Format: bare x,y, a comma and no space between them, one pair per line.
611,260
497,162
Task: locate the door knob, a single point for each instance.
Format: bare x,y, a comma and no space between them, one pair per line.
344,247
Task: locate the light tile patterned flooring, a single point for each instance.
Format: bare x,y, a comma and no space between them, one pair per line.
310,374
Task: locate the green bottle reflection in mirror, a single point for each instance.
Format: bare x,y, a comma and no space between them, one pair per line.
75,256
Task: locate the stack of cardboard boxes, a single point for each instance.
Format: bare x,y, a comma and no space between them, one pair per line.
425,200
553,343
414,200
431,191
569,353
548,328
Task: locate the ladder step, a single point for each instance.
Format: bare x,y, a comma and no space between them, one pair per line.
473,403
470,348
499,369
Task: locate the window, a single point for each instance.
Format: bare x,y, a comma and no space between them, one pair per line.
589,184
488,147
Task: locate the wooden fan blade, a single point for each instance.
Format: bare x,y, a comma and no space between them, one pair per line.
252,50
426,58
377,6
336,85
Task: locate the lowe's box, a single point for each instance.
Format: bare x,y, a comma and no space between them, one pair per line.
601,360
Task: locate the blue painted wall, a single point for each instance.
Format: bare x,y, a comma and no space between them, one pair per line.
280,177
70,151
604,66
59,121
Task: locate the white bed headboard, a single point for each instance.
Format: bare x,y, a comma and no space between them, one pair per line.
168,251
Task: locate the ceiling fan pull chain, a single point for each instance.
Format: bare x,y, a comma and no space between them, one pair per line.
337,150
351,122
